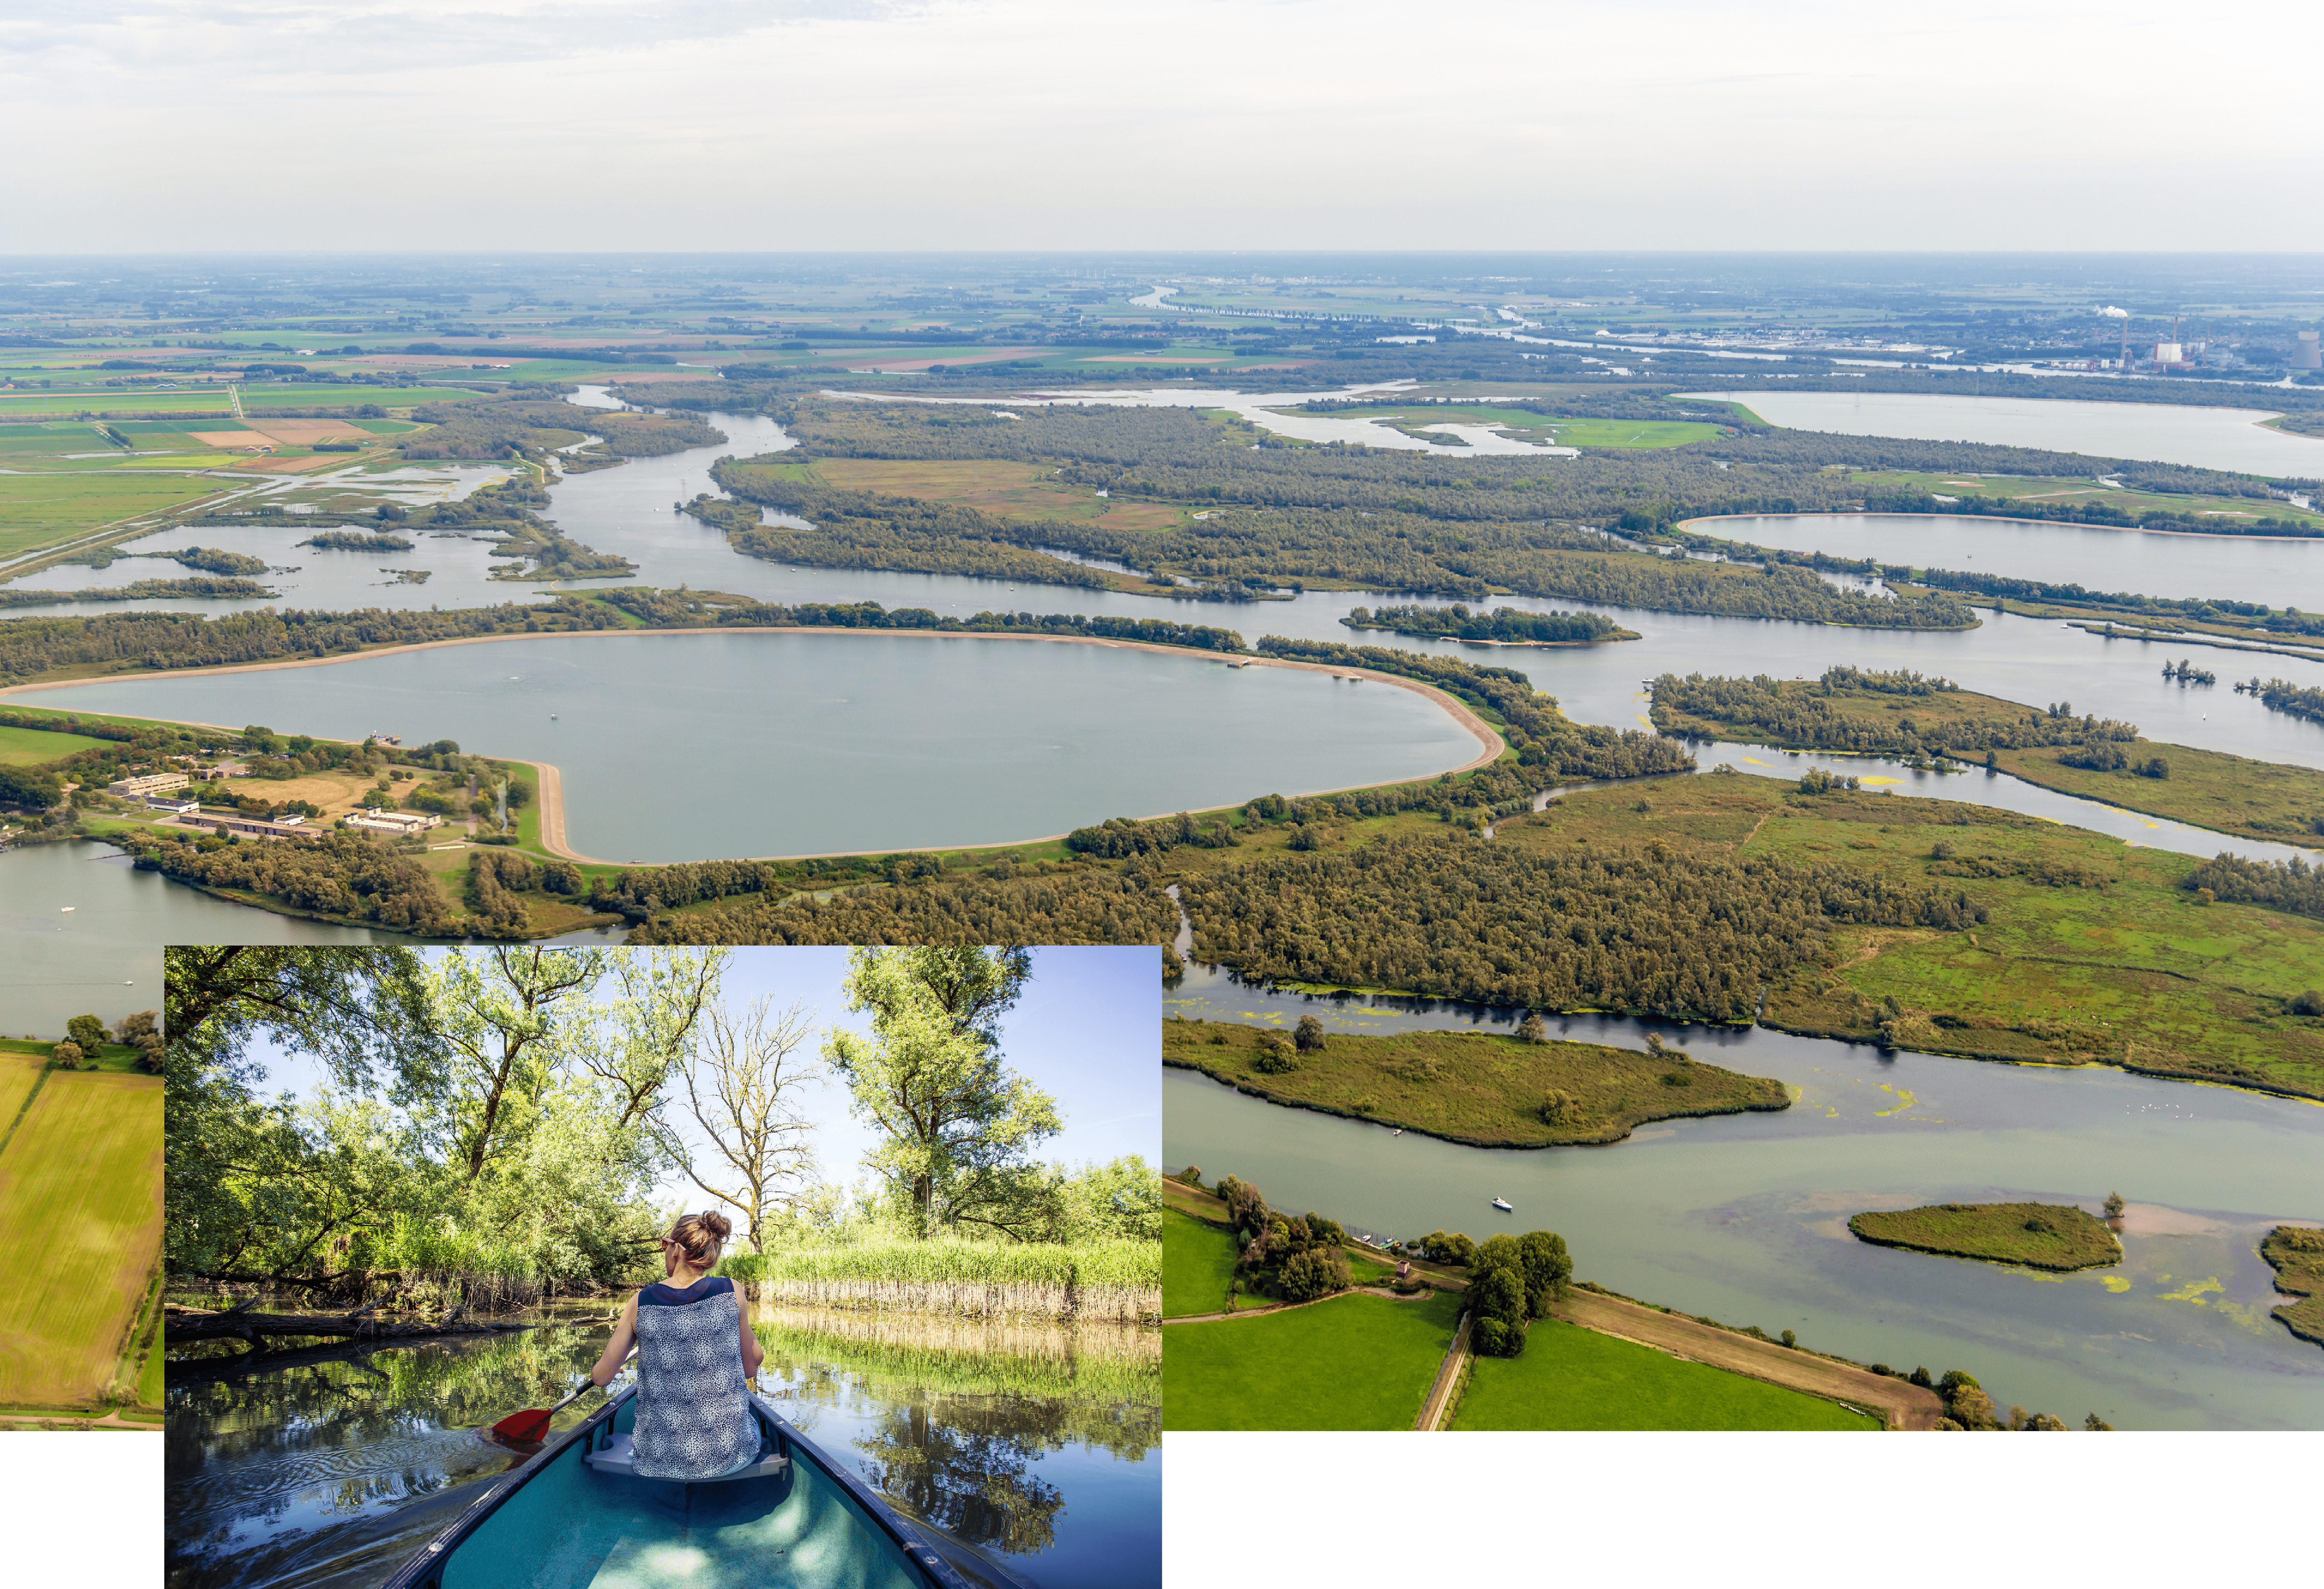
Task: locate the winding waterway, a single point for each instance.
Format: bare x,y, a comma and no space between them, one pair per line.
1743,1219
1034,1447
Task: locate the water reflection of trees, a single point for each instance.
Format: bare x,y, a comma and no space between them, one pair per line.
957,1413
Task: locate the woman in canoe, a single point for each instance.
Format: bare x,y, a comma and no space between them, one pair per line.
695,1359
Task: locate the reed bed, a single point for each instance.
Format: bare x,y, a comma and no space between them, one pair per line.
1118,1281
952,1356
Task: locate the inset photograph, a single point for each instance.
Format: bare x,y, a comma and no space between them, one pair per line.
583,1266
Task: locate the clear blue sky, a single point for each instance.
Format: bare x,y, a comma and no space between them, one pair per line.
1087,1031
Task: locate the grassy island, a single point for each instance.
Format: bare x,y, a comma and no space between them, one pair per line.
1484,1090
2037,1236
2296,1254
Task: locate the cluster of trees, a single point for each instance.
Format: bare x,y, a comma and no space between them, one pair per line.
1513,1279
2280,696
688,610
862,529
497,877
2105,514
2045,871
1066,904
1588,926
525,424
2292,885
212,560
1297,1257
84,1037
1768,708
2203,609
2108,756
2187,673
200,588
337,873
34,647
1122,837
356,540
1903,680
1506,624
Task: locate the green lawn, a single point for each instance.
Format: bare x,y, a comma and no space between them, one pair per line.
32,746
1353,1362
1570,1378
1197,1262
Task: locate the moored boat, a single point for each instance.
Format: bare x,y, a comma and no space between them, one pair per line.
575,1516
1504,1205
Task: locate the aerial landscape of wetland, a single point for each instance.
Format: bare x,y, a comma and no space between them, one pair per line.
1682,866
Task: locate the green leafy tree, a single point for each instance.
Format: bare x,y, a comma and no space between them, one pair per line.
1548,1269
1309,1036
958,1126
1497,1298
66,1056
86,1030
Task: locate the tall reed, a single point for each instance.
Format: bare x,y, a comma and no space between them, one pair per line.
1117,1280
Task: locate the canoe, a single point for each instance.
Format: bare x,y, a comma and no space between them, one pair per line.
576,1517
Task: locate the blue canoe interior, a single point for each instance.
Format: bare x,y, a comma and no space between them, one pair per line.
561,1522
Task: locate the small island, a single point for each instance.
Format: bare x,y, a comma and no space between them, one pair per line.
2056,1236
1483,1090
2296,1254
1503,626
357,540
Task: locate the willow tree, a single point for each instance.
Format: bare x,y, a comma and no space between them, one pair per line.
958,1126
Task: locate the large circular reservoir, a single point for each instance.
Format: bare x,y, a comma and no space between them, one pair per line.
690,747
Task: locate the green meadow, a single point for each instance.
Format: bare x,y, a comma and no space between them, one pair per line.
1570,1378
1356,1362
1198,1262
40,509
32,746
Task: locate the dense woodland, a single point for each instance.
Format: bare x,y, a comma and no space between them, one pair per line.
198,587
339,873
1074,904
1236,548
1805,717
1594,927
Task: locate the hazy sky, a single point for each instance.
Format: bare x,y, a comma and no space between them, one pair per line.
1088,1031
1173,124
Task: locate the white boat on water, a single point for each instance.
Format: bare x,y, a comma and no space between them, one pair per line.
1503,1205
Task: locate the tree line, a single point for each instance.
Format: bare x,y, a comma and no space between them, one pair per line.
196,588
1508,625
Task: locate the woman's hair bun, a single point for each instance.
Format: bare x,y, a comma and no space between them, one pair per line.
701,1235
717,1225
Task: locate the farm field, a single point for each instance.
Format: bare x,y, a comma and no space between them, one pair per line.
1571,1378
32,746
1198,1262
1354,1363
80,1206
255,399
40,509
20,1064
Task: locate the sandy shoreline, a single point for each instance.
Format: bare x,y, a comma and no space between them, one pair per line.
551,792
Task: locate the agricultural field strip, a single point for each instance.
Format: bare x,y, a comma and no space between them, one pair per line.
83,1174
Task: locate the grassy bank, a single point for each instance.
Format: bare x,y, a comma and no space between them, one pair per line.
1117,1280
1198,1264
1571,1378
1355,1362
2296,1254
962,1357
2038,1235
1472,1088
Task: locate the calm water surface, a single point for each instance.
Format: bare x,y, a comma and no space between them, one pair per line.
1038,1447
103,956
681,747
1743,1219
2168,432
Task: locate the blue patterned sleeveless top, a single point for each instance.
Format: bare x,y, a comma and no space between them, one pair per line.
694,1414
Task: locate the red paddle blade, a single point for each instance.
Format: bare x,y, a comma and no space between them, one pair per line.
527,1425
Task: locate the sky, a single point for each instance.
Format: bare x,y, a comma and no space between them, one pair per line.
1087,1031
810,124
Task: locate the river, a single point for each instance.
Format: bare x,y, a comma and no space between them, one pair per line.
1037,1446
1743,1219
2169,432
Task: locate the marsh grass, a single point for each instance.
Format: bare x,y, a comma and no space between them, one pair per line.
2038,1235
2297,1256
970,1357
1119,1280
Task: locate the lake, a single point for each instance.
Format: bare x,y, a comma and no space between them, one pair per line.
1743,1219
693,746
1037,1446
103,956
2168,432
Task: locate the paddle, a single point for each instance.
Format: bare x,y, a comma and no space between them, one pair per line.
526,1426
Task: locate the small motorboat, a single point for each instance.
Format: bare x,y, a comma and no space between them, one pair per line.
1503,1205
577,1514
